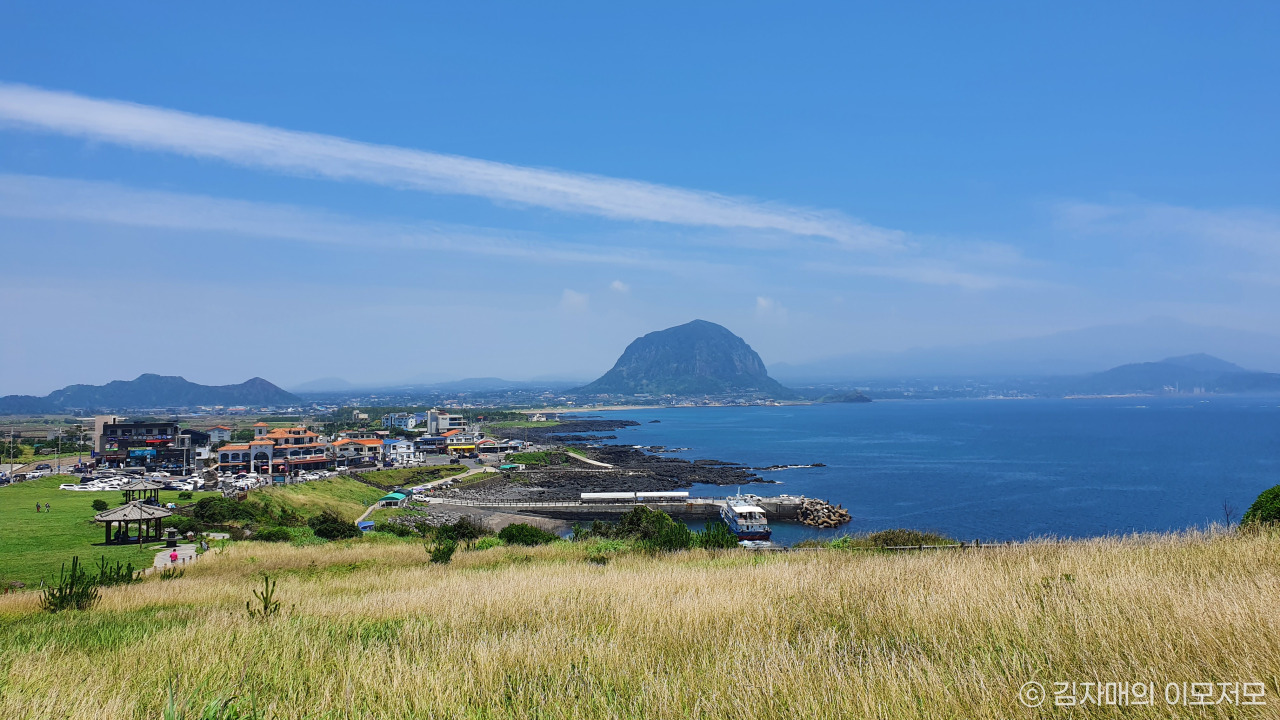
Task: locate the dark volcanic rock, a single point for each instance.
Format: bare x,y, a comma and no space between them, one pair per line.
571,430
636,471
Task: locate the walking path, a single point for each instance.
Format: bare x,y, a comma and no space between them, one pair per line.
186,554
589,461
433,483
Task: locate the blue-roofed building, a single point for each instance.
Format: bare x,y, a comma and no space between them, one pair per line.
397,450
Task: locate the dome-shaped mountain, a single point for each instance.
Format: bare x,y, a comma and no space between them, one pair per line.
697,358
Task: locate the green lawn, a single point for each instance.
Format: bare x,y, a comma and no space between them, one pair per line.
34,545
548,457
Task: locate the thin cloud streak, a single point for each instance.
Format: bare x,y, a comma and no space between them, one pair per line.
326,156
44,198
1252,230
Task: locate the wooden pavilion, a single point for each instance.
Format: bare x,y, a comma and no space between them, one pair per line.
148,517
142,490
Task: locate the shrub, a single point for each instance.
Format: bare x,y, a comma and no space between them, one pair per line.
651,529
397,529
716,536
443,551
1266,509
671,536
74,590
267,605
100,505
525,534
118,574
274,533
464,530
182,524
184,495
329,526
489,541
897,537
217,510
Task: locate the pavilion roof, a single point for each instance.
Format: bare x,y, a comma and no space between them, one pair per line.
129,512
142,485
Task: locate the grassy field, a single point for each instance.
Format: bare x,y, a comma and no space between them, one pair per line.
413,476
342,495
369,629
34,545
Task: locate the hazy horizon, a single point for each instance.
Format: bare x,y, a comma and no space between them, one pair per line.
450,192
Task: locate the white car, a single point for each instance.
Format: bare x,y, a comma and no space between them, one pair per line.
68,486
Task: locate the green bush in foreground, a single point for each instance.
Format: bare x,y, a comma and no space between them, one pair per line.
524,534
1266,509
489,541
897,537
99,505
273,534
74,591
331,527
716,536
443,551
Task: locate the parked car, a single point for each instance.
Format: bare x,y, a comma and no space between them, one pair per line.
455,461
44,466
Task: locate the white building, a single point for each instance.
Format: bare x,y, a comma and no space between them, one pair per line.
219,433
397,450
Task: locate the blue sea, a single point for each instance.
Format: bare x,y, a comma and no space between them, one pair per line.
995,469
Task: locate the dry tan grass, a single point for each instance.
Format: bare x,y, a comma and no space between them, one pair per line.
372,631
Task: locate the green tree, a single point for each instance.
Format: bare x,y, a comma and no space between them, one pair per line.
1264,510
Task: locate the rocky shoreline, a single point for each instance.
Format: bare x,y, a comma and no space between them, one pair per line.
635,468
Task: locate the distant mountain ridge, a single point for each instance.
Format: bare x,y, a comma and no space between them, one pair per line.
697,358
1186,373
148,391
1070,352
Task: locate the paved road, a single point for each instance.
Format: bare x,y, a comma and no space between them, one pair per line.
432,484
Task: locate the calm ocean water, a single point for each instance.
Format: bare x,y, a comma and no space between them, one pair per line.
996,469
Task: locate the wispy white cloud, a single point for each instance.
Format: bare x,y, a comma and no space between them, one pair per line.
44,198
619,287
573,301
927,272
326,156
769,309
1252,230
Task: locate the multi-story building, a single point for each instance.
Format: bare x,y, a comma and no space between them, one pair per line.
352,451
141,444
219,433
397,450
278,451
433,421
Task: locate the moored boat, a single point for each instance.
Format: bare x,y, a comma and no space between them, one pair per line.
745,519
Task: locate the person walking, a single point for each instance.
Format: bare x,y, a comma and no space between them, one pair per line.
173,557
37,507
46,507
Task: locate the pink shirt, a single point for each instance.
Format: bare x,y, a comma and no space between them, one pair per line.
173,556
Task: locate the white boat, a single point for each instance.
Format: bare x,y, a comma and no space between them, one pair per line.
745,519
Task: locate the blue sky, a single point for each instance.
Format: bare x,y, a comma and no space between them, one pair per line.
318,190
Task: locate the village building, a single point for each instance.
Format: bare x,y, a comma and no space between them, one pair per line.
277,451
396,450
357,451
219,433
